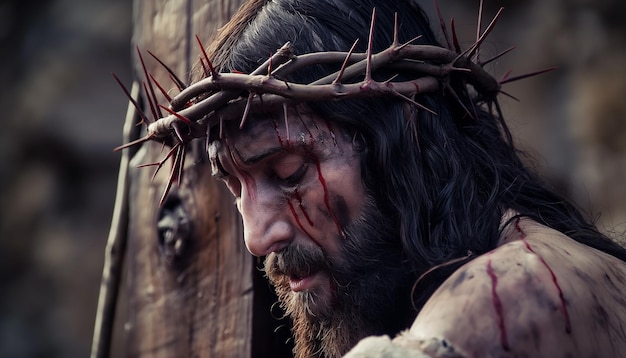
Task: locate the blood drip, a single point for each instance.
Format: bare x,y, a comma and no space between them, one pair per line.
297,218
568,324
497,304
280,139
298,197
327,197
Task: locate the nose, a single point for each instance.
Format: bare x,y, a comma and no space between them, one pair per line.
266,227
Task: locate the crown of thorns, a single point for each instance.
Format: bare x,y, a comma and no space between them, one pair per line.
201,106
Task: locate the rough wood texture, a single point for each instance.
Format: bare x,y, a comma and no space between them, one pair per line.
203,302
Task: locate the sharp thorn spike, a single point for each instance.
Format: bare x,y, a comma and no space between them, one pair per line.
504,76
286,122
246,110
531,74
442,24
151,93
370,45
150,102
455,39
177,115
160,164
509,95
484,63
478,26
214,73
458,99
135,142
204,68
181,165
482,38
413,102
408,42
390,79
132,100
180,84
396,29
163,91
345,63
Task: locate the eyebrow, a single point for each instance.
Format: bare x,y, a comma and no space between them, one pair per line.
255,158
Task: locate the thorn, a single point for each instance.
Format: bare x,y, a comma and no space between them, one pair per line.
396,29
170,180
390,79
443,25
345,63
214,73
368,69
504,76
144,119
478,25
181,164
160,164
497,56
531,74
505,128
492,24
286,122
408,42
458,99
204,68
509,95
455,39
151,93
177,115
163,92
413,102
180,89
246,110
221,127
180,84
177,132
136,141
150,103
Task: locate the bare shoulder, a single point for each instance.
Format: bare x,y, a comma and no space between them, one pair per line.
540,294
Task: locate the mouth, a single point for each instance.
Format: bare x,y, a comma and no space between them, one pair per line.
299,283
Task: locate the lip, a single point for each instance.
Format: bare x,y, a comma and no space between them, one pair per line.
298,284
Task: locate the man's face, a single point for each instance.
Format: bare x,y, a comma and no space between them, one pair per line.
297,183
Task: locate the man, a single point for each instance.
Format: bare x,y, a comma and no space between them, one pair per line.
386,214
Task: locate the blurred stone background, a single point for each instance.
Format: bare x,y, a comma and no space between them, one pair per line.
64,114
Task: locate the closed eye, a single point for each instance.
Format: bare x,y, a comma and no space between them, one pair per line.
294,179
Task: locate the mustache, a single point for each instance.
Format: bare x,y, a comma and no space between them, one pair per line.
296,261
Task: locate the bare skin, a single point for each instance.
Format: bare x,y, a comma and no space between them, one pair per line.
297,185
539,294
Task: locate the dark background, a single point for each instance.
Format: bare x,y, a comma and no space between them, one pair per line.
64,114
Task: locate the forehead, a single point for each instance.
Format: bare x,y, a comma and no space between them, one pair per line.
291,127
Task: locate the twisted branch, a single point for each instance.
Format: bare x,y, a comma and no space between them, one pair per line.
226,96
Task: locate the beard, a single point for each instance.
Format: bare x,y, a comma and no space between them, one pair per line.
370,287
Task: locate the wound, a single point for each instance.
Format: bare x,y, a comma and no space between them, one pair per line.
297,218
497,305
280,139
298,197
568,324
327,196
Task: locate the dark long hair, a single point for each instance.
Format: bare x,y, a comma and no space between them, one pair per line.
445,179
